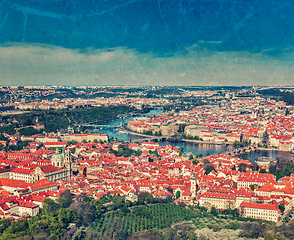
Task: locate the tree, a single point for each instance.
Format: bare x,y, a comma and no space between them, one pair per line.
178,194
124,210
180,150
259,229
128,203
29,131
282,163
279,174
213,211
127,154
3,138
82,128
191,157
208,169
17,229
49,206
289,169
282,207
243,167
233,225
203,209
182,128
252,186
254,230
195,161
84,214
138,152
241,138
206,161
269,236
5,223
79,235
65,200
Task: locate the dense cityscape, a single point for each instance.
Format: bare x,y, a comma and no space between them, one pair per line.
146,120
113,162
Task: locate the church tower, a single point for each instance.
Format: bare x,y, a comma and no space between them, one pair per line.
193,186
68,162
265,138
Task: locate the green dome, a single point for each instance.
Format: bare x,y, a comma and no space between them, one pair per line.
57,156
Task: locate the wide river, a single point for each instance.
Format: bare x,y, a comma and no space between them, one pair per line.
200,148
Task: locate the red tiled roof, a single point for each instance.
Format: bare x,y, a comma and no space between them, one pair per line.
37,197
55,144
27,204
4,193
42,184
21,170
14,183
49,168
258,205
4,206
218,195
187,192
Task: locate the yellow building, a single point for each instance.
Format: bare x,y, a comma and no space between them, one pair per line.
218,200
263,211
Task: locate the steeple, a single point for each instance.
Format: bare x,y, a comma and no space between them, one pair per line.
193,185
68,162
193,177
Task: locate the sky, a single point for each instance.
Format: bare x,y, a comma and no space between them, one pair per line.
146,42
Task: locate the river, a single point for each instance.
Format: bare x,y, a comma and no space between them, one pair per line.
122,136
200,148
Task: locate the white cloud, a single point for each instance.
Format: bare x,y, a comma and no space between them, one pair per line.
40,64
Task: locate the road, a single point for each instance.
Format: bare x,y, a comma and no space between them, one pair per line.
286,213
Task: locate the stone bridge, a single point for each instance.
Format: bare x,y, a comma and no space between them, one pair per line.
152,138
241,151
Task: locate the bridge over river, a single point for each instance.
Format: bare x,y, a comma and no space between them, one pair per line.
241,151
152,138
101,126
146,138
234,152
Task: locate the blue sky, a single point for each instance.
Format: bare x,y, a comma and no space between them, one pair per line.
138,42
